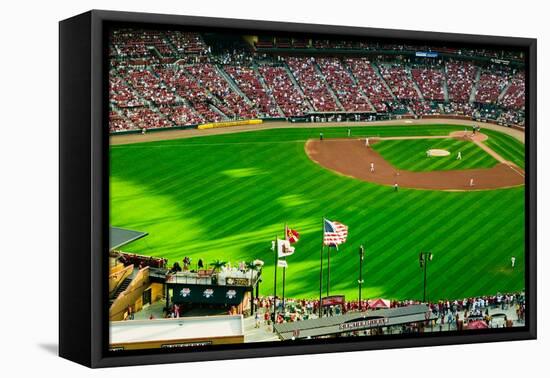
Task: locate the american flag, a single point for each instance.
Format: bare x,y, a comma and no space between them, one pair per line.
335,233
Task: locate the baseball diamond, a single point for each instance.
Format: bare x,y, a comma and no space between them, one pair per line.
225,196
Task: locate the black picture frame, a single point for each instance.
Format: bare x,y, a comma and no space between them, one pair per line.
83,196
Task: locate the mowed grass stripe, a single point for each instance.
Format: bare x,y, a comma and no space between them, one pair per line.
476,263
411,155
421,229
508,147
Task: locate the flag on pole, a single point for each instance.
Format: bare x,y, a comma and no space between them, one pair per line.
291,235
335,233
282,264
283,248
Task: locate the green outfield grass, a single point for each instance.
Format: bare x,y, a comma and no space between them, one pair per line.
410,154
506,146
227,196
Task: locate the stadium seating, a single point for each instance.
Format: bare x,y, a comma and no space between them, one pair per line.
122,95
313,84
430,82
118,123
139,43
370,83
233,105
148,86
514,97
187,43
186,88
288,97
460,80
248,81
400,83
165,79
181,115
490,85
339,78
146,118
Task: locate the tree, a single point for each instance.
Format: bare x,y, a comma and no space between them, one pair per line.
218,265
253,266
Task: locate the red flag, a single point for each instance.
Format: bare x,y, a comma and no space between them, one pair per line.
292,235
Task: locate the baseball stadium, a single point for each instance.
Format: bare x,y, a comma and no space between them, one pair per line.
268,188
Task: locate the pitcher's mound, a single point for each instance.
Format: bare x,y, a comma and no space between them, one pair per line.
438,152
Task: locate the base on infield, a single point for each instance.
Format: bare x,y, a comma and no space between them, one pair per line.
437,152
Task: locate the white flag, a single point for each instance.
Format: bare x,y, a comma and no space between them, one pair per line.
283,248
282,264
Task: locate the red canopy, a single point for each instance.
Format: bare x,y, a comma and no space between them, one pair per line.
477,324
379,303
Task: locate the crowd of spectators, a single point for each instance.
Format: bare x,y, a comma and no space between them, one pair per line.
286,94
370,83
117,122
490,85
141,261
460,80
459,108
248,81
181,115
312,83
209,78
138,43
430,83
146,118
444,311
121,95
399,81
188,89
149,92
514,97
339,78
187,43
511,117
148,86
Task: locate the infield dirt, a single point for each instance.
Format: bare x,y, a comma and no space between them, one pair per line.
350,157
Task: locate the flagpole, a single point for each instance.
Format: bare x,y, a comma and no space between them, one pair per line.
328,271
275,282
320,311
284,270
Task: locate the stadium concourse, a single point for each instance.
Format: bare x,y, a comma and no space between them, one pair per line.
172,79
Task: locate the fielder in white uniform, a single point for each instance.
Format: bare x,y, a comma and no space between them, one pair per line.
459,156
372,167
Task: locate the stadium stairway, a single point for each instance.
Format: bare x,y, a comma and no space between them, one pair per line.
356,83
232,83
382,80
415,85
266,88
329,88
506,87
215,99
123,286
298,87
445,88
474,87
